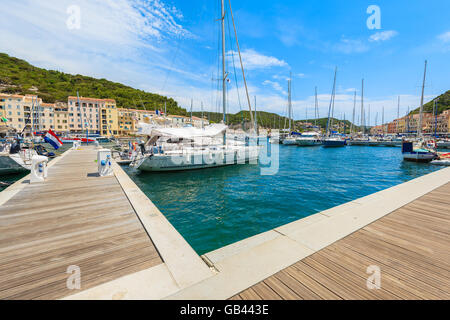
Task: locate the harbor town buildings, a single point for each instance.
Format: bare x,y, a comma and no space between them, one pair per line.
92,115
409,124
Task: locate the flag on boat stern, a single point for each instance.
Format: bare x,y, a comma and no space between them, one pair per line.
51,138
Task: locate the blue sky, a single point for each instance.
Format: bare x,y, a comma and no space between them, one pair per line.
170,47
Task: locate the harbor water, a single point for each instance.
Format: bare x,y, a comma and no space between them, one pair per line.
214,207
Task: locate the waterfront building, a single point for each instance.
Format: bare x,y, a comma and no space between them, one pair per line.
125,121
84,117
439,122
17,110
43,117
199,122
391,127
61,117
178,121
109,118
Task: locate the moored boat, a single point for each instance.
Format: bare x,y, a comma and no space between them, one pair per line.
332,142
308,139
418,153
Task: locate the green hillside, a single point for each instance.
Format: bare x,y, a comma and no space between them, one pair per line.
18,76
442,104
266,119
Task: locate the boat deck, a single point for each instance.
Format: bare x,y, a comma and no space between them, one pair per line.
75,218
409,246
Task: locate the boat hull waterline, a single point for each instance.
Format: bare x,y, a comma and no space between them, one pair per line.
197,160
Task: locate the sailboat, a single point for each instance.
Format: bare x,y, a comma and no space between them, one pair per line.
331,140
312,138
175,149
421,151
290,138
14,158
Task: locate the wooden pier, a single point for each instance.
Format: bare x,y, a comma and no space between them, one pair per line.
410,246
74,218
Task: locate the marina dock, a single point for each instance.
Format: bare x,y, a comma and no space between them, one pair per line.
76,218
124,248
409,245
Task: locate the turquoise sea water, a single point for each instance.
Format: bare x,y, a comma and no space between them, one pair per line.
214,207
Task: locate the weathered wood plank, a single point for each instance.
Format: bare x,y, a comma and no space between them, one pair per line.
410,245
74,218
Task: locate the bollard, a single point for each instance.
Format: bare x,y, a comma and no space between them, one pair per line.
38,169
104,162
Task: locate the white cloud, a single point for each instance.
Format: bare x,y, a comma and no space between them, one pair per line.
275,85
349,46
129,41
445,37
383,36
253,60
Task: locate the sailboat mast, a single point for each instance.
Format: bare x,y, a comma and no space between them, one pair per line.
363,127
419,128
353,116
224,80
202,113
256,119
331,103
192,103
79,109
398,114
316,109
289,100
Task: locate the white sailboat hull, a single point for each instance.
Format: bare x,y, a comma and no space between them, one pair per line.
308,142
13,163
418,156
289,142
187,160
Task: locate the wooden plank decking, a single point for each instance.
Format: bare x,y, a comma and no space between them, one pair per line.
74,218
410,246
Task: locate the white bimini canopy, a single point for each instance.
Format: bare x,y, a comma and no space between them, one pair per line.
187,132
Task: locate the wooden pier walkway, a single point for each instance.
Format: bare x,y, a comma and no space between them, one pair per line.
409,245
74,218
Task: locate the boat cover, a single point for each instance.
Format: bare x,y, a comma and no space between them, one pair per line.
187,132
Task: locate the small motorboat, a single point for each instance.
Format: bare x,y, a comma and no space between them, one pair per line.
422,152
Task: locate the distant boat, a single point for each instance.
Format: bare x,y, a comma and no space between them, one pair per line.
291,138
418,153
308,139
421,151
332,140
